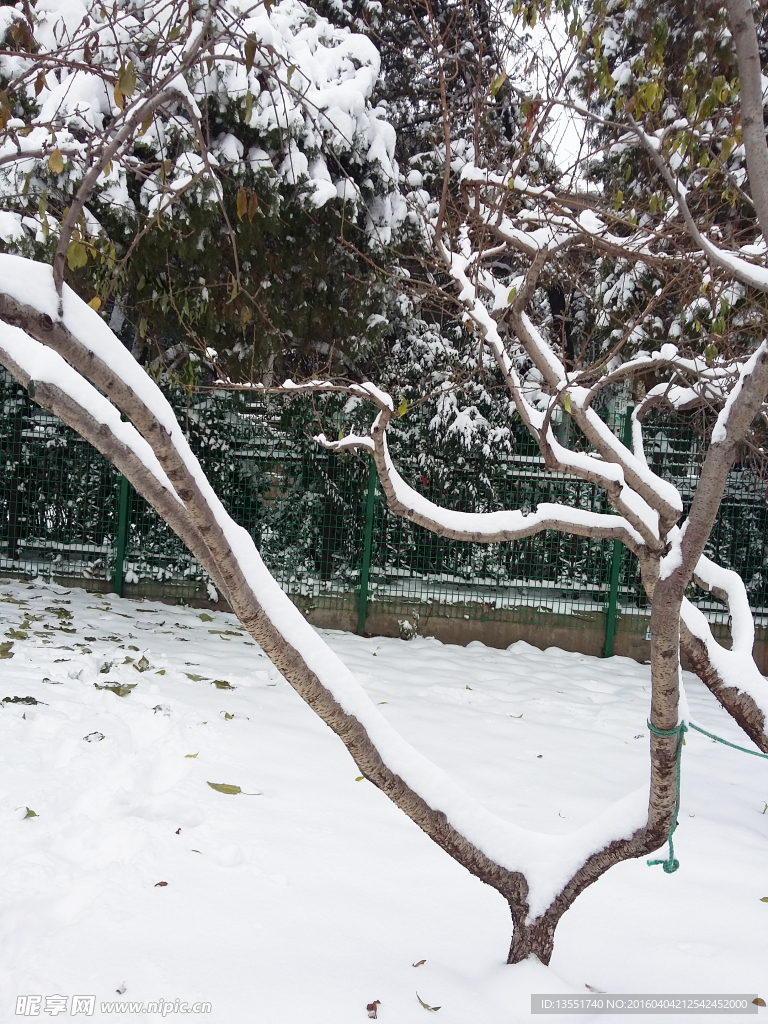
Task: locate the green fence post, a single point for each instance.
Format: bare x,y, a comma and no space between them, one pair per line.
122,537
362,605
616,559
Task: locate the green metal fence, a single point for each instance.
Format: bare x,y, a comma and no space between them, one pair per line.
325,533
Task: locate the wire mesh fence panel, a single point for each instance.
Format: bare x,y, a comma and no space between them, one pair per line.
305,507
58,496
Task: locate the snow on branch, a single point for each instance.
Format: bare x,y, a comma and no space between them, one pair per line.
534,867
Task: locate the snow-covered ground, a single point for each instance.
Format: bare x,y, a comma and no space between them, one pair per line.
308,895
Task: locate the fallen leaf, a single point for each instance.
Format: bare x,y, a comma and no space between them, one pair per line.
160,884
426,1006
515,716
759,1001
764,899
94,737
192,755
22,700
194,678
372,1008
418,963
142,664
119,689
178,831
205,617
160,672
5,650
360,778
30,813
224,787
121,990
222,684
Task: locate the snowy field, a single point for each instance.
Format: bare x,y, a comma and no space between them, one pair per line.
308,895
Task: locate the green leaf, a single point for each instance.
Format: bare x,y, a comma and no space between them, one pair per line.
426,1006
142,665
5,650
30,813
248,107
205,617
143,327
192,755
222,684
228,717
360,778
77,255
567,403
512,295
16,634
711,352
194,678
764,899
224,787
402,409
249,51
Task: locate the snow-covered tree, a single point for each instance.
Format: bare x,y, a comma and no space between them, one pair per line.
493,258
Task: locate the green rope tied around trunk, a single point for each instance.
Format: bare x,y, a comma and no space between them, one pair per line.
672,863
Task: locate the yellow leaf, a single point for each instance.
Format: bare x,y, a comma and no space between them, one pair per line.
30,813
126,80
95,302
145,125
253,205
426,1006
242,203
497,83
119,98
567,403
402,409
360,778
193,755
56,161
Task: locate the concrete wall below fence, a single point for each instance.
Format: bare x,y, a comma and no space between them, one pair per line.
583,632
